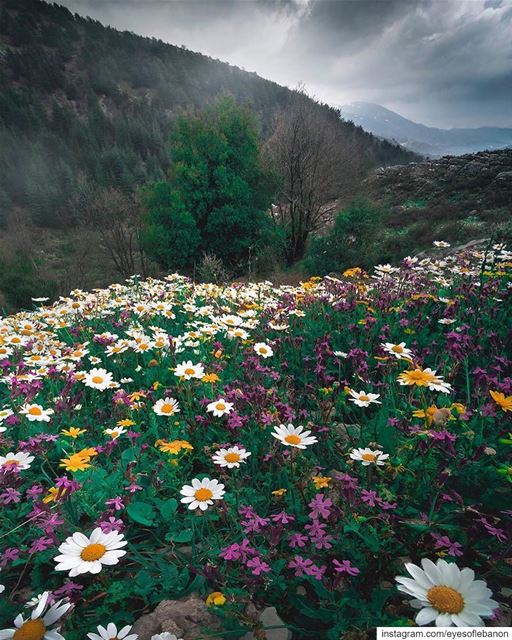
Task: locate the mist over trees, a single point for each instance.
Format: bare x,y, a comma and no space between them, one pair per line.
87,118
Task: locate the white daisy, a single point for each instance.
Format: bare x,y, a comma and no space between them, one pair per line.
80,554
5,351
100,379
34,601
237,333
36,413
111,633
363,399
400,351
278,327
231,321
441,244
188,370
116,349
115,433
202,493
166,407
220,408
385,269
293,436
447,595
5,413
20,460
264,350
37,627
231,457
369,456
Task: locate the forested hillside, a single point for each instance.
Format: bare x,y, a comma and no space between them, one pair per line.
81,103
86,115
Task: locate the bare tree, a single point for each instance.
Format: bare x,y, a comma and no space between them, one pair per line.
315,161
117,219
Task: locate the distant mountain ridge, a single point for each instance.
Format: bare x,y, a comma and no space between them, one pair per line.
429,141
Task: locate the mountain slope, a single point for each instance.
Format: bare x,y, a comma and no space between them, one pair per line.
81,102
422,139
454,198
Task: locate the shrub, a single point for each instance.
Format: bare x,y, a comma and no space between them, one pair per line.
217,188
355,238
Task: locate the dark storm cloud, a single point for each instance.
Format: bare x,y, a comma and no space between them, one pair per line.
443,62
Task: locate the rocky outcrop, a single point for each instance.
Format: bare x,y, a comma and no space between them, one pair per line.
486,176
454,198
187,618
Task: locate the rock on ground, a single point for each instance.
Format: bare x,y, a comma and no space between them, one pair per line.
187,618
269,618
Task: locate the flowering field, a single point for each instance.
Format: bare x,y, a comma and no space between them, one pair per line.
339,450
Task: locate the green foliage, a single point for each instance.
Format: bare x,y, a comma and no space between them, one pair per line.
355,239
217,190
170,235
414,204
20,283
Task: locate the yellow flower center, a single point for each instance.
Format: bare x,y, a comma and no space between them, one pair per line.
263,350
220,406
445,599
11,463
292,439
364,398
203,494
97,379
189,371
397,348
93,552
35,411
369,457
166,408
30,630
232,457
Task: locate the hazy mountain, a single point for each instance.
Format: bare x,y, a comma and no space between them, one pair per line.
82,102
422,139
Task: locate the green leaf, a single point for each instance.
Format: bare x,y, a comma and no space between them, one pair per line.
168,508
141,512
144,583
184,536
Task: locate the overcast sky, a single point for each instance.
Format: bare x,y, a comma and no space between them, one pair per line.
441,62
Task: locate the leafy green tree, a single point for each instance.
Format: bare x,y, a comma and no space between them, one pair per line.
217,187
354,240
170,235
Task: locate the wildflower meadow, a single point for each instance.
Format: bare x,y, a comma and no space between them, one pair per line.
340,450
